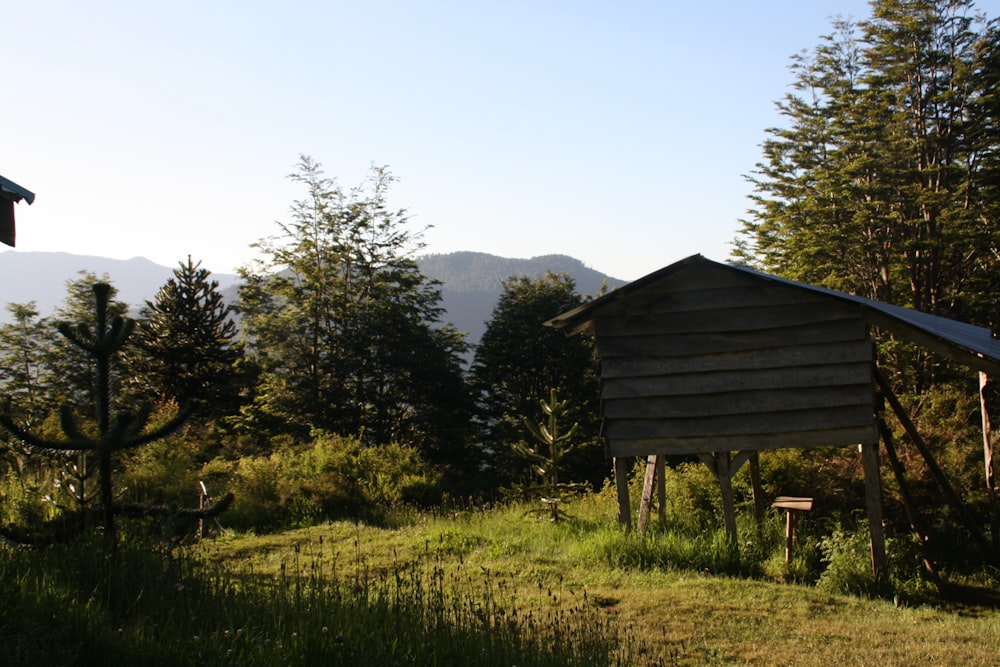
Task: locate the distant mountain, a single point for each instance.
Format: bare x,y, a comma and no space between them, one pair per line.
42,276
471,281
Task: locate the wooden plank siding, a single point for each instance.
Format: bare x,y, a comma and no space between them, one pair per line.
708,360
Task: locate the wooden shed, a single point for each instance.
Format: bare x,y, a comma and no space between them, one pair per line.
722,361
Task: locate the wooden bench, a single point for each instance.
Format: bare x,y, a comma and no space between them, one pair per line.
792,506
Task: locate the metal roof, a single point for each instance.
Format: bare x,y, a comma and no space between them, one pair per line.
973,346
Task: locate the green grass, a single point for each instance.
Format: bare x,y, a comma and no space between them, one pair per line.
485,587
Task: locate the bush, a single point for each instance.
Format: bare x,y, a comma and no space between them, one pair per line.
694,504
164,471
331,477
847,554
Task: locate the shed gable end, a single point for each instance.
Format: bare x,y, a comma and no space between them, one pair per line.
708,359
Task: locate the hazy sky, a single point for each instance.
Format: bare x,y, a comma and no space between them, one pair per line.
616,132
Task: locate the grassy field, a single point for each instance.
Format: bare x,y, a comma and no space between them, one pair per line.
668,615
491,587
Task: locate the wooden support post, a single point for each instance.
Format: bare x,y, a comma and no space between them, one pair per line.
984,388
758,490
203,503
873,497
949,492
621,483
661,489
724,465
790,517
723,461
647,493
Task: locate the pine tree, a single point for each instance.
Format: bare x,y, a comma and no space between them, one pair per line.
21,342
186,335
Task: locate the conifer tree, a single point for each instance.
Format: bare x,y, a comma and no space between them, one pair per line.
186,335
21,362
879,186
116,429
517,362
67,370
548,455
884,181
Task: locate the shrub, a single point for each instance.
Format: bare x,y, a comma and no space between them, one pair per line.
847,554
331,477
693,501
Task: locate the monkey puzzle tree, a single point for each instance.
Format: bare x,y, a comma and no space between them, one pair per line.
112,430
519,360
548,456
67,374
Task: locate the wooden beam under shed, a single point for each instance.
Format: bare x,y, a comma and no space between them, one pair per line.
655,476
724,465
985,388
949,491
621,484
873,499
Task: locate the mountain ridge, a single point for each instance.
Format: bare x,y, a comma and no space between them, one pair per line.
471,282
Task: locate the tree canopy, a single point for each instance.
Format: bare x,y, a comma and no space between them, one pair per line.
884,181
346,329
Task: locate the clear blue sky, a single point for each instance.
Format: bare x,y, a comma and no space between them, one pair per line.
616,132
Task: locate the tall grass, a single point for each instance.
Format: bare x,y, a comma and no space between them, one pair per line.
72,605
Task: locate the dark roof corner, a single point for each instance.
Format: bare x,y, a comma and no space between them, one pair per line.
10,194
11,190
